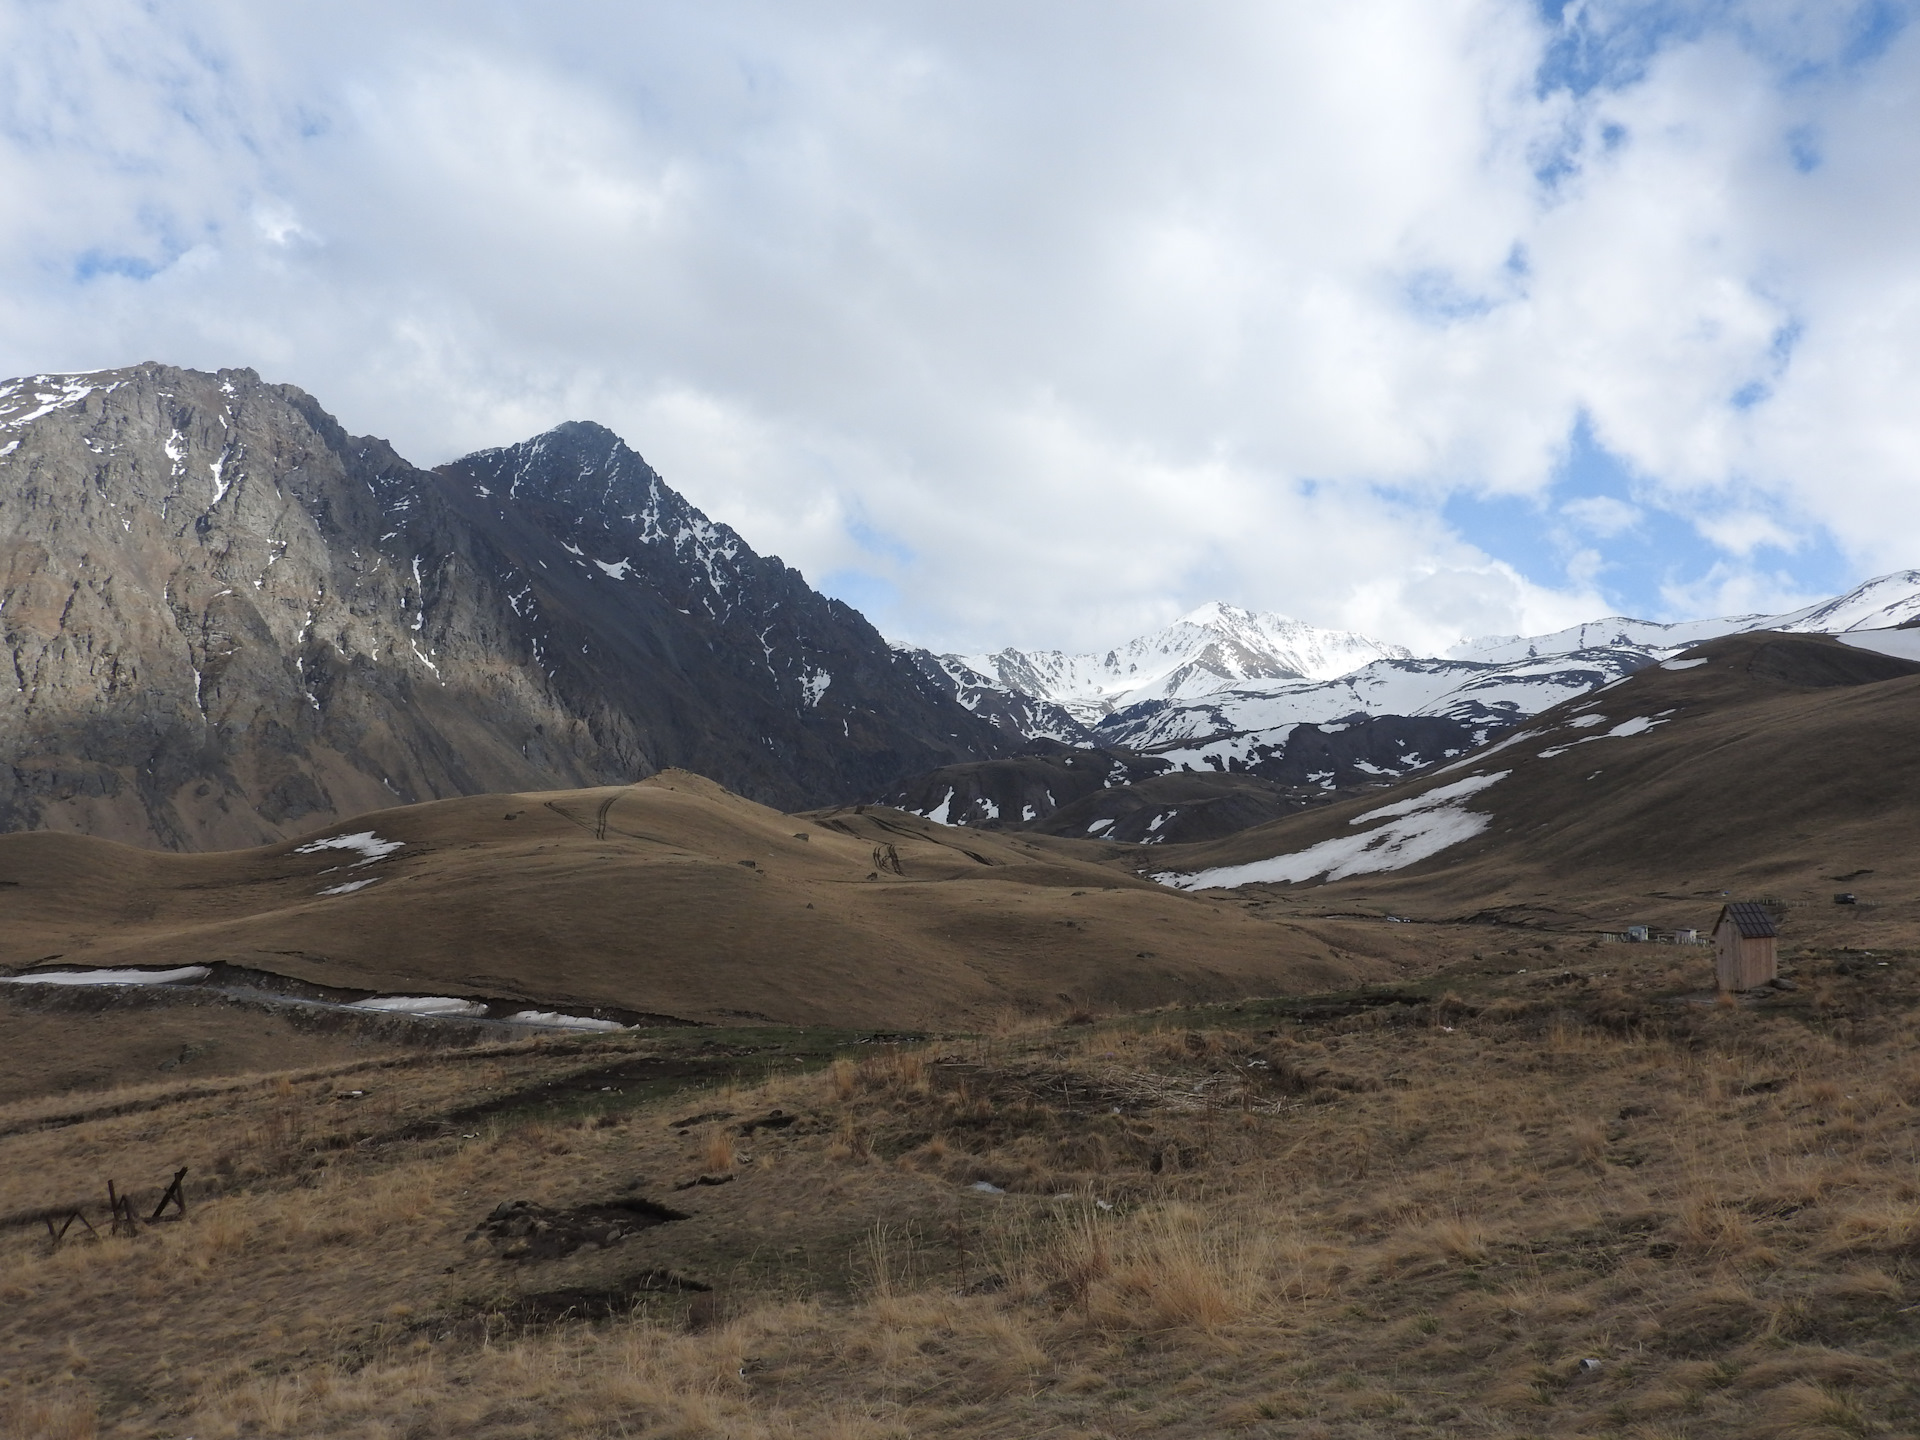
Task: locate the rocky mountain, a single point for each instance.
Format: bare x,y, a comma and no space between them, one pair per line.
1118,793
226,620
1018,715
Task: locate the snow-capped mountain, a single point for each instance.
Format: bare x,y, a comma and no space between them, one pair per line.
1881,603
1484,685
1237,727
1213,692
1018,715
1202,652
1884,603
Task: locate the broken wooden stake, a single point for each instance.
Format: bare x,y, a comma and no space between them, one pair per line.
173,1194
121,1208
65,1225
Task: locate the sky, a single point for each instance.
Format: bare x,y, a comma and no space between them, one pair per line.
1042,323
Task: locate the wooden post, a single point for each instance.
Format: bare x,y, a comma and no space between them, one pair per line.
66,1225
174,1194
122,1208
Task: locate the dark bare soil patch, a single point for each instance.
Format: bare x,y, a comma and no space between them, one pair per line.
522,1230
596,1302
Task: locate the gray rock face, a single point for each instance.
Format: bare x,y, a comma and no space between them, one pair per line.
225,621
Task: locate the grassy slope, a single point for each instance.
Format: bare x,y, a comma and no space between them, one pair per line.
1413,1212
1781,764
675,898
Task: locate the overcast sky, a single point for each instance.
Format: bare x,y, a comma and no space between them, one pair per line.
1041,323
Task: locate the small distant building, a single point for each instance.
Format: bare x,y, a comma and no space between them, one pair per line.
1637,934
1686,937
1746,946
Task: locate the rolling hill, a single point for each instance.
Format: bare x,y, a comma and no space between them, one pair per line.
1760,765
670,900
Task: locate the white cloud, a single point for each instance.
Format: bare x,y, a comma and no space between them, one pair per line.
1057,320
1741,532
1735,589
1602,515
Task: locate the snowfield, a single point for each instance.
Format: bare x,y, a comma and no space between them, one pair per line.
349,887
1415,830
181,975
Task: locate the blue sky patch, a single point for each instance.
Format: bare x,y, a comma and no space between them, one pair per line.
878,542
1876,25
1582,57
873,597
1437,297
1595,505
90,265
1803,148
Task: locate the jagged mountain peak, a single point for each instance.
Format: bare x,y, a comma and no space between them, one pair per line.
580,463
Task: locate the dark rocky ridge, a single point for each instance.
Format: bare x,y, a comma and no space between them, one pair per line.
1114,793
227,621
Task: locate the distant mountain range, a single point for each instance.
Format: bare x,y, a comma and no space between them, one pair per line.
1266,698
227,621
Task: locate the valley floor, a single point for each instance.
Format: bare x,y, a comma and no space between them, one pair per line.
1553,1190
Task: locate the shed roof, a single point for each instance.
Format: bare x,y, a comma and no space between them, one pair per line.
1751,919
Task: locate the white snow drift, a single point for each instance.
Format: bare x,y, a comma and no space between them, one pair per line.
1414,830
178,976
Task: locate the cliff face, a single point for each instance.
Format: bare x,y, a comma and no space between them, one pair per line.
226,621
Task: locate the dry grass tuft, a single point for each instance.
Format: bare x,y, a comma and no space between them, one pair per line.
1805,1411
1887,1226
843,1077
65,1417
1168,1267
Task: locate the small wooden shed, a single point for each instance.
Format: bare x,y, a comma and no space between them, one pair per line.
1745,946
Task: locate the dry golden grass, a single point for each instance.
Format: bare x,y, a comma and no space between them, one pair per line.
1533,1219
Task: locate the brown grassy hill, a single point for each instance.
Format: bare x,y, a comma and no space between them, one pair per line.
673,899
1772,766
